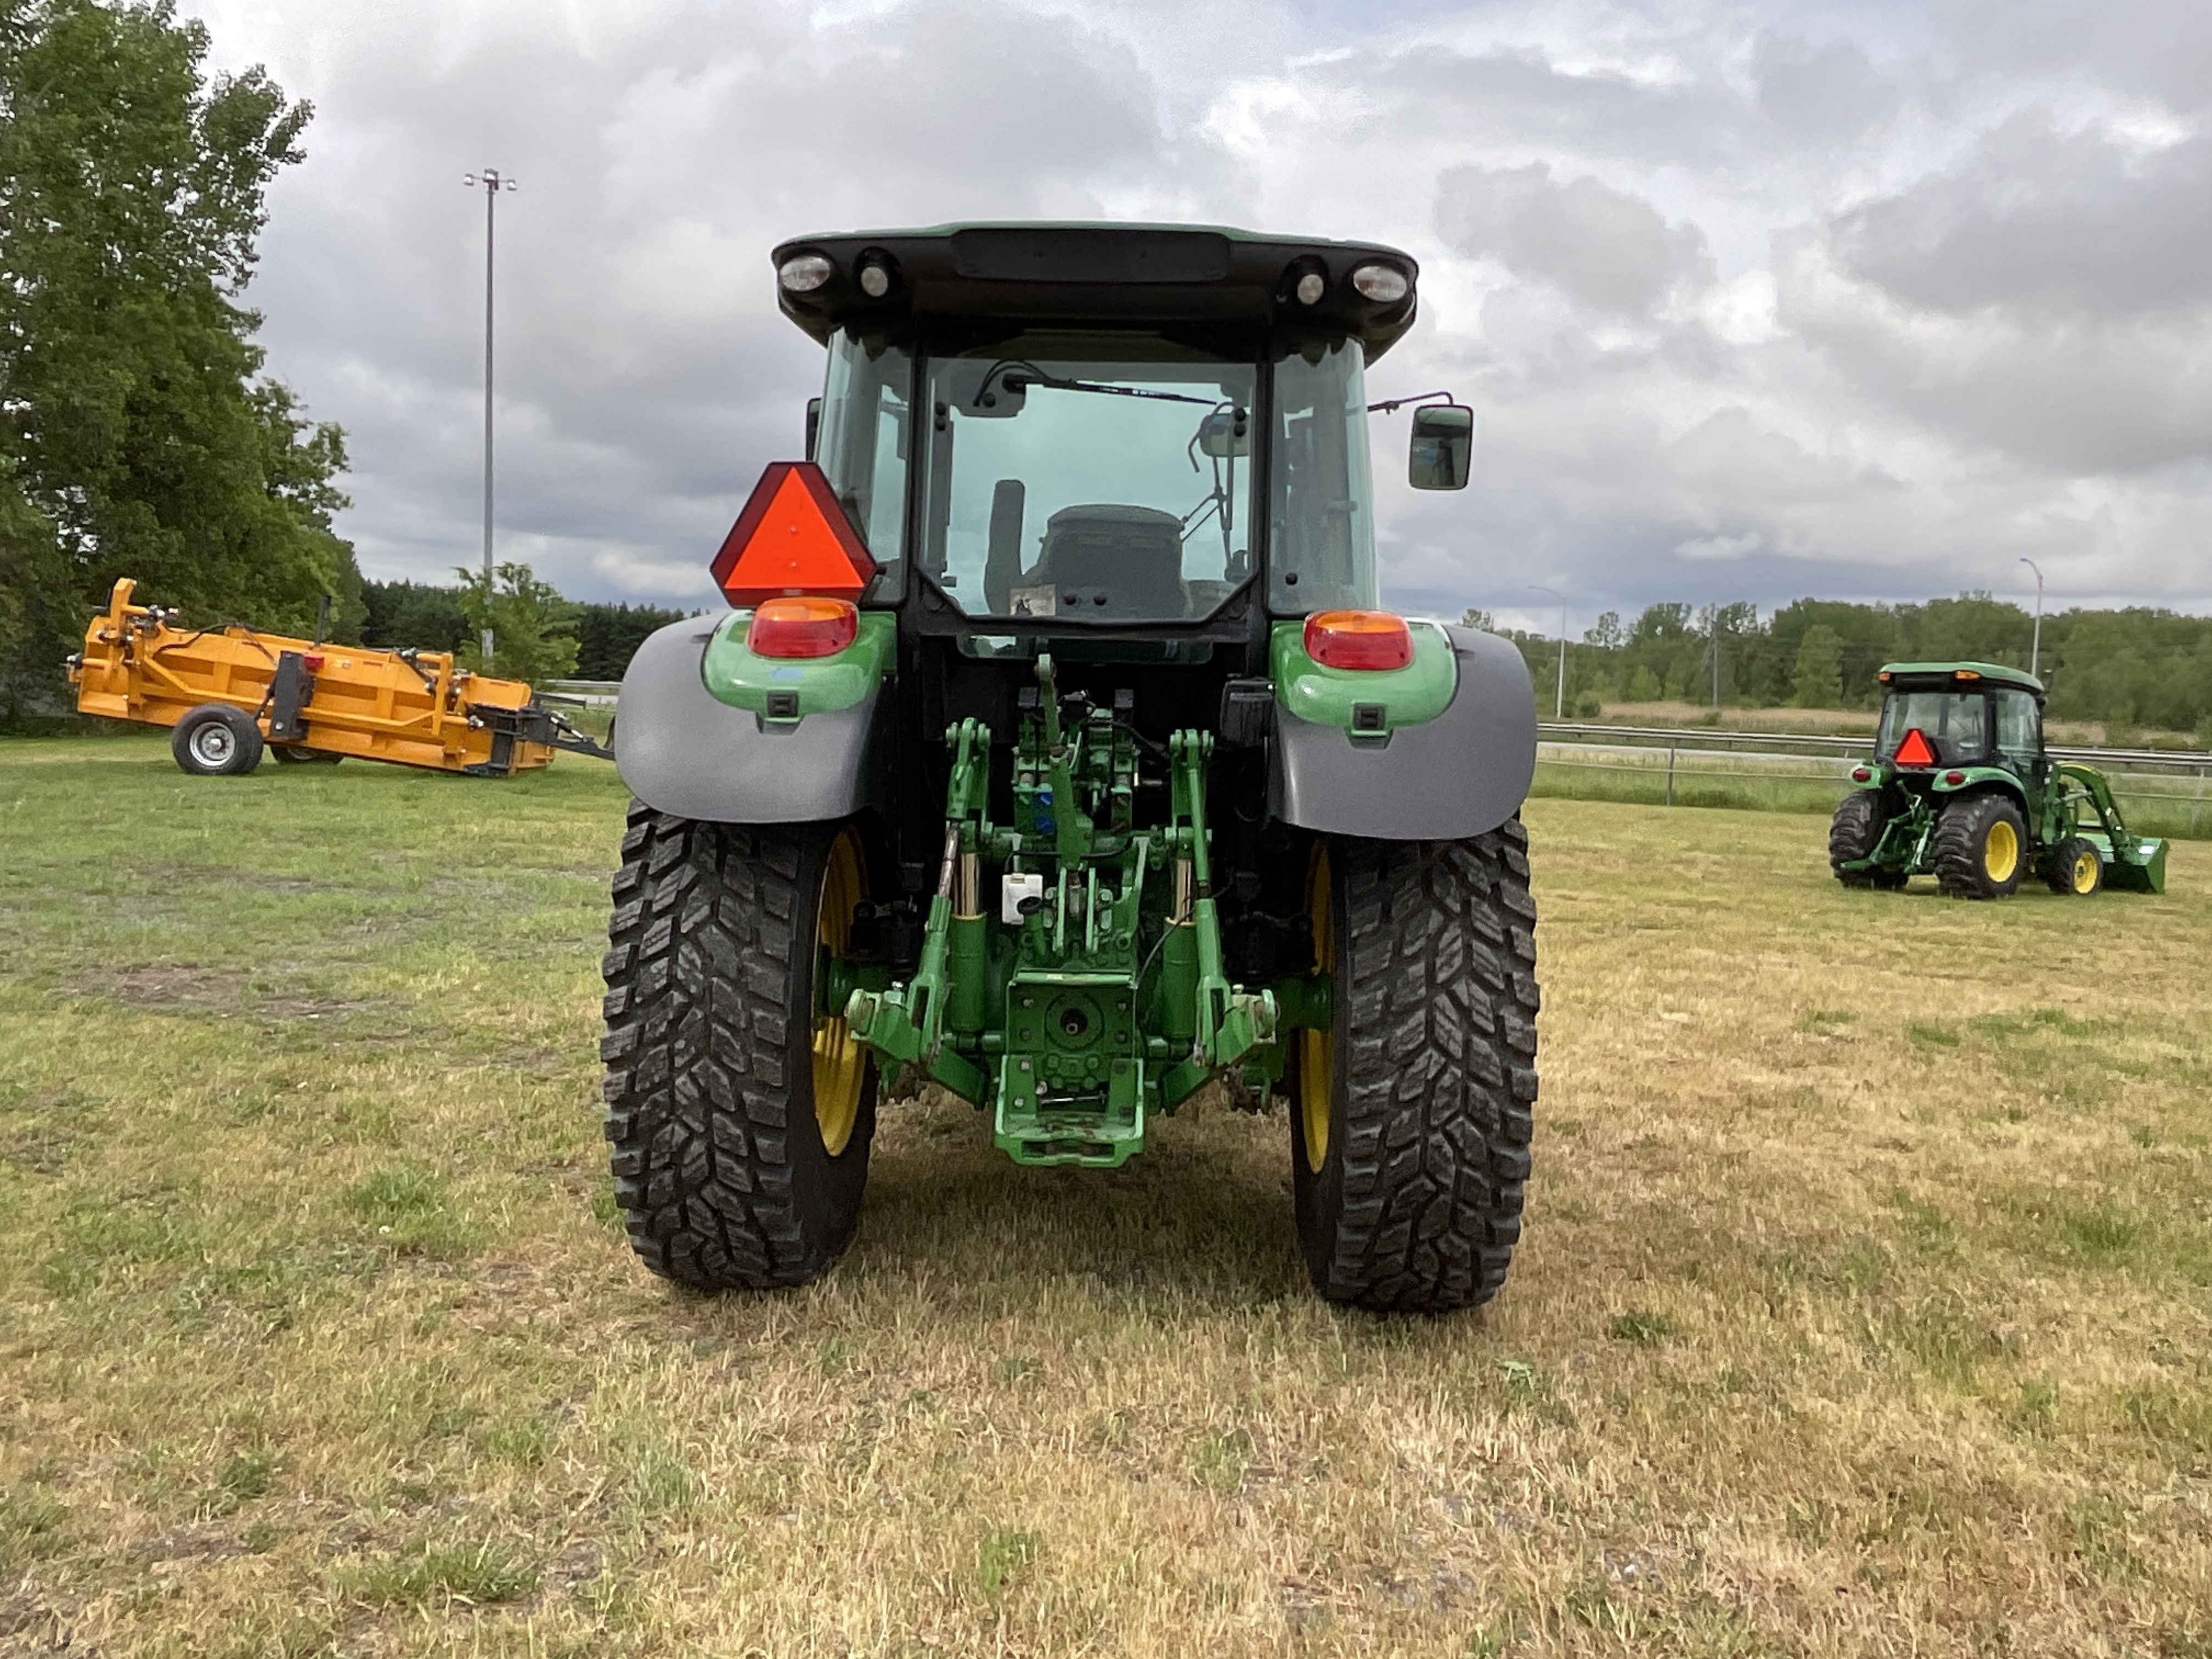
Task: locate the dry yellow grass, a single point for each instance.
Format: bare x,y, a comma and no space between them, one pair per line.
1864,1307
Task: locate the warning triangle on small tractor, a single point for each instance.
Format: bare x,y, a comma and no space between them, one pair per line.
1915,749
793,538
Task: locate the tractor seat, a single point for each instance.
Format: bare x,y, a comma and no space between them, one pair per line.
1114,562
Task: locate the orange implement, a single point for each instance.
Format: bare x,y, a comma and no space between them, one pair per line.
228,691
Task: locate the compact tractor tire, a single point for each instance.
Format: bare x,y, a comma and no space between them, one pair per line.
1853,834
216,741
734,1166
1981,847
1421,1095
2073,868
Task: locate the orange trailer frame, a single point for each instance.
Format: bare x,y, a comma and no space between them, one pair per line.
410,707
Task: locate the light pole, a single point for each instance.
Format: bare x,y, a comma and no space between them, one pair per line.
492,182
2035,650
1559,703
1717,651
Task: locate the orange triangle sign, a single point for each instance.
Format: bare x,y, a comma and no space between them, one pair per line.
1914,750
793,538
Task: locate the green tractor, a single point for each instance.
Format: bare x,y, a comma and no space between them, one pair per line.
1962,788
1056,751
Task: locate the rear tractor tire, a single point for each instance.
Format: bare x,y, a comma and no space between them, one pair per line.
2075,868
1981,847
1410,1116
1853,834
216,741
740,1116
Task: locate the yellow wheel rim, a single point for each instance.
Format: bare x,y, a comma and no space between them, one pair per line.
2085,872
2001,852
1317,1049
840,1062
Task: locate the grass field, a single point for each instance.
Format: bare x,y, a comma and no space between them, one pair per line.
1865,1304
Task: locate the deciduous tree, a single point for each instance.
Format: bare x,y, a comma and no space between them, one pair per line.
137,434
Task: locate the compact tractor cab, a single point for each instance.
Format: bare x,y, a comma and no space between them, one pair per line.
1962,788
1057,751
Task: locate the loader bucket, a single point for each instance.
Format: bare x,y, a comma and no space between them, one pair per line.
2143,871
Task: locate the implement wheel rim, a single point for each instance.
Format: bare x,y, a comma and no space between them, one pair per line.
212,743
2084,872
1317,1048
840,1061
2001,851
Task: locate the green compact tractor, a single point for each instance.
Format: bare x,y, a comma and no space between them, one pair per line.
1962,788
1056,751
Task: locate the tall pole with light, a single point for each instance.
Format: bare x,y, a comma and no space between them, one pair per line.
491,181
1559,702
2035,650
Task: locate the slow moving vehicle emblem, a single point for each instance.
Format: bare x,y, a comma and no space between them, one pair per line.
792,538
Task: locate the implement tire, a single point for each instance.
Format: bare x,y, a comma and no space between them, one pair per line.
1981,847
291,755
216,741
1422,1091
738,1161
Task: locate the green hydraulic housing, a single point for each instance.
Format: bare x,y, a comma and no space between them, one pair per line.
1093,994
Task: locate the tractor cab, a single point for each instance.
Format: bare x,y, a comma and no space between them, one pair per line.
1143,441
1962,787
1941,717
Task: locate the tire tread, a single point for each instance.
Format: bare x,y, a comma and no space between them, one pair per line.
699,1029
1437,1057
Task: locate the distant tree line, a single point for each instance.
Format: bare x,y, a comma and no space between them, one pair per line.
528,619
2131,668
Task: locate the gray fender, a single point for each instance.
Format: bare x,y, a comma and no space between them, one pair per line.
1465,772
683,752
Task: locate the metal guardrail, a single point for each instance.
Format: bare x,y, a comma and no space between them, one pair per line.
2198,761
1662,765
592,693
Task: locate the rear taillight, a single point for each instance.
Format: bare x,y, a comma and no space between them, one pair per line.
1862,774
1359,638
803,627
1954,779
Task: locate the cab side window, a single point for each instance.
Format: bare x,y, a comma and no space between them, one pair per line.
2019,726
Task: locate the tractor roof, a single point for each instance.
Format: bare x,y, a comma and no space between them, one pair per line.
1096,275
1893,672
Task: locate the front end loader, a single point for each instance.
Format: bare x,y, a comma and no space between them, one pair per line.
1055,752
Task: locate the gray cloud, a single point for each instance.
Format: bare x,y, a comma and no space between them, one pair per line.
1752,299
1606,248
1823,95
2076,224
2161,48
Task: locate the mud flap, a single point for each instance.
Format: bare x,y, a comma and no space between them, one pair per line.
1460,775
683,752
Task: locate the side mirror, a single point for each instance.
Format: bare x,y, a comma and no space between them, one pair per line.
1443,447
813,425
1225,432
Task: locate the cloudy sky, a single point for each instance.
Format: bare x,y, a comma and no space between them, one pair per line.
1753,300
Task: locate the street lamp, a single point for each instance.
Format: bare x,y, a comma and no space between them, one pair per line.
2035,650
1559,703
491,181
